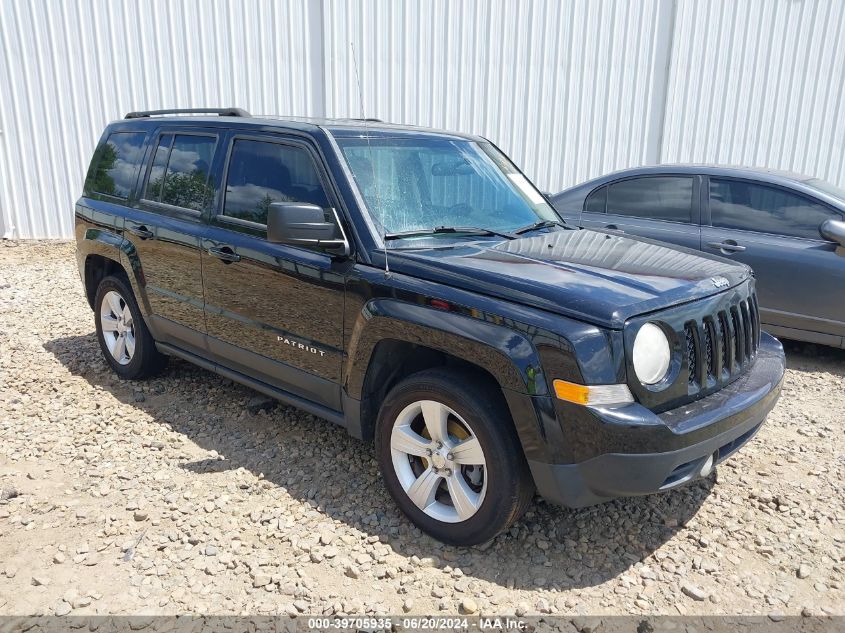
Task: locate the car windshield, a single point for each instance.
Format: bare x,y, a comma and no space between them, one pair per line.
419,185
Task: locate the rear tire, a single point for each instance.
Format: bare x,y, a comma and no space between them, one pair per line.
125,341
450,456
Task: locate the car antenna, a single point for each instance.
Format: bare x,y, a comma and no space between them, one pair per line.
364,119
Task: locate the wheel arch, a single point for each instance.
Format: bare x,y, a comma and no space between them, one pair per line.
101,253
394,339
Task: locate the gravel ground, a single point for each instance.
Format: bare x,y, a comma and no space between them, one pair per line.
189,493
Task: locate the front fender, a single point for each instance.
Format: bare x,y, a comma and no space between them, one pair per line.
504,352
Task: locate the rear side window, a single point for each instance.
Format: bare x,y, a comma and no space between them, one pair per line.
735,204
179,173
261,173
115,164
596,202
653,198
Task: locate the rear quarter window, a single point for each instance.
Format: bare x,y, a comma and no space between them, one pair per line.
115,164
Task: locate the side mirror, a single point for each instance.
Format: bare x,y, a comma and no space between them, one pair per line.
302,224
834,231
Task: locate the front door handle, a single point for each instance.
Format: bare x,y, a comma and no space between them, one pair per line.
225,253
613,227
728,246
141,231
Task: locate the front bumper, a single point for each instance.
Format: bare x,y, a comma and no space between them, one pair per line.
714,426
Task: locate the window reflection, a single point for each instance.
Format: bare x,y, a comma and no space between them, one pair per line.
654,198
261,173
179,175
114,167
736,204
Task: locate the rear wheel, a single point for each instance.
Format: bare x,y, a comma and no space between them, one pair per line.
125,341
450,457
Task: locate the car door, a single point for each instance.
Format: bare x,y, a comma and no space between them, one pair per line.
661,207
775,230
164,230
274,312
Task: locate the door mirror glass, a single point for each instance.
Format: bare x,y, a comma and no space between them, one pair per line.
303,224
834,231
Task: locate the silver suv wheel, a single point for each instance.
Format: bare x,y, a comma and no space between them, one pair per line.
439,461
117,327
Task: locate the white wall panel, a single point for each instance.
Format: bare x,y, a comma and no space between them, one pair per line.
760,83
569,88
67,68
563,87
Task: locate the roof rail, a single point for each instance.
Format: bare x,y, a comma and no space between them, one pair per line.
219,111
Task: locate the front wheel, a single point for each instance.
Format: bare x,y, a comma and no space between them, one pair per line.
450,456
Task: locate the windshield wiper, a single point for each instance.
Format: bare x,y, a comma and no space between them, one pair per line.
439,230
542,224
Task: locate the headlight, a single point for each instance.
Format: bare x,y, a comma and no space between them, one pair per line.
651,354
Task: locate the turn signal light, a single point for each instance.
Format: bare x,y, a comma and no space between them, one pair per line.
592,395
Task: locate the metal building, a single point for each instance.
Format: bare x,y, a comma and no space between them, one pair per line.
569,88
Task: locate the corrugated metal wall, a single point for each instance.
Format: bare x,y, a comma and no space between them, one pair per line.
569,89
67,68
563,87
759,82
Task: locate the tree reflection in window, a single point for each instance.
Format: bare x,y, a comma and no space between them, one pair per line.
261,173
114,167
179,175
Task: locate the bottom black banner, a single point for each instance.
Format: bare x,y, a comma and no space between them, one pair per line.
304,623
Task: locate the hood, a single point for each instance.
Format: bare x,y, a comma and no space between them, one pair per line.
598,277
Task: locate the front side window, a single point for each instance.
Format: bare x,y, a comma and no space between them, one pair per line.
261,173
736,204
114,167
419,184
179,173
652,198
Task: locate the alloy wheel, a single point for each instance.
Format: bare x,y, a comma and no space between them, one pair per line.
439,461
117,326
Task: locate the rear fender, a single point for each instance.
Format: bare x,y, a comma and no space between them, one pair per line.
111,245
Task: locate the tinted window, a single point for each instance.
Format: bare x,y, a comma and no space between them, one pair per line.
261,173
156,179
596,201
735,204
655,198
179,175
114,167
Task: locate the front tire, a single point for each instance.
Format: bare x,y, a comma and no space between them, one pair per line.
450,456
125,341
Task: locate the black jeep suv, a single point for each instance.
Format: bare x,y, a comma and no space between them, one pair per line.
415,288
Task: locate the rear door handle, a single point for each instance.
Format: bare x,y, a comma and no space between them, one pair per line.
225,253
613,227
731,247
141,231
